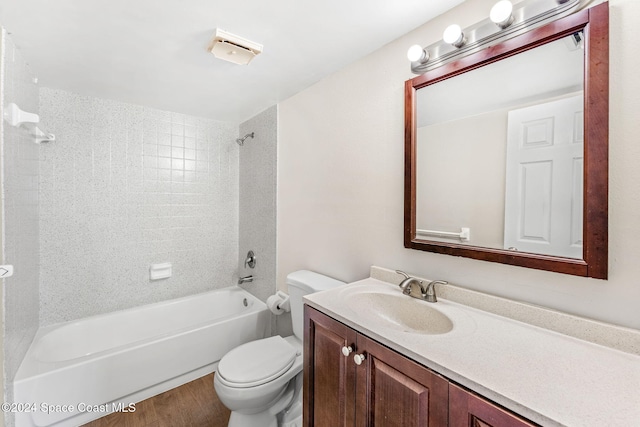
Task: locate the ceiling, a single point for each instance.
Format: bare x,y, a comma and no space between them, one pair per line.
536,75
153,52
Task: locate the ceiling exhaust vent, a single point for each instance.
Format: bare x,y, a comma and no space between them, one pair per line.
233,48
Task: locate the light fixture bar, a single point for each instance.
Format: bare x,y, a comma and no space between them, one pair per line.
526,15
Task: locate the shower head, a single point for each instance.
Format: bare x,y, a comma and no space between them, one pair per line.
240,141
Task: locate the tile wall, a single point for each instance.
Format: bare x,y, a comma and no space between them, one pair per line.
123,187
258,171
258,201
20,166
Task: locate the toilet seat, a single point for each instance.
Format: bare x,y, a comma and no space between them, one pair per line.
256,362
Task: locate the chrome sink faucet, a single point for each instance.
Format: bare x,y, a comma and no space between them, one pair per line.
427,293
408,282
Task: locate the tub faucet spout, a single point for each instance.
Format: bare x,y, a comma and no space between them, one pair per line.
245,279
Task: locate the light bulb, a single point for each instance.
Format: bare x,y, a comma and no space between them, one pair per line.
502,13
453,35
417,54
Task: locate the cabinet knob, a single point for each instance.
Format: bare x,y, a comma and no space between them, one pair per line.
346,350
358,359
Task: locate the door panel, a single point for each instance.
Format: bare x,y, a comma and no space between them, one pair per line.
535,210
468,410
544,178
329,385
395,391
391,389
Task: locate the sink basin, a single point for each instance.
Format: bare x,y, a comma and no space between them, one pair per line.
399,312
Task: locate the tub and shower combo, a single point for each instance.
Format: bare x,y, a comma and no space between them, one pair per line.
81,370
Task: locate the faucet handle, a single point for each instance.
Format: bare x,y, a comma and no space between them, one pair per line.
438,282
406,276
429,294
250,260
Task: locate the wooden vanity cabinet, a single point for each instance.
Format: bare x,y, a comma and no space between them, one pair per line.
386,389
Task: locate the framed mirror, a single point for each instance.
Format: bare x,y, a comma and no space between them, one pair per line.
506,151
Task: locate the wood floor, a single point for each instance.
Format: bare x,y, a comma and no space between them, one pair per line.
194,404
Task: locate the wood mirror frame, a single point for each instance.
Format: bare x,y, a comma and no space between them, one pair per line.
595,23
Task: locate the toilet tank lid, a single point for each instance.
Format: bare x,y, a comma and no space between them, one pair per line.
311,281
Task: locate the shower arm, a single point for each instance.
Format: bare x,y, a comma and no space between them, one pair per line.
240,141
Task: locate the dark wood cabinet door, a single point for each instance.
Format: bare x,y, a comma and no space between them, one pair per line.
329,376
393,391
469,410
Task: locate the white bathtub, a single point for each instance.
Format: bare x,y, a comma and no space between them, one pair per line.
78,371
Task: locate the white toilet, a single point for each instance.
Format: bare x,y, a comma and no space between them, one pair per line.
261,381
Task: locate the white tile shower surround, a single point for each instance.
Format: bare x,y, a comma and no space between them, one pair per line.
20,157
258,201
257,214
125,186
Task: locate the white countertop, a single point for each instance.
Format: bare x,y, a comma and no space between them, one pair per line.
547,377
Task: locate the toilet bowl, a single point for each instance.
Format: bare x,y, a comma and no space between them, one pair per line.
261,381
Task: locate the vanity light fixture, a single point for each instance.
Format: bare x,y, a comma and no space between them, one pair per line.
454,36
506,20
417,54
502,14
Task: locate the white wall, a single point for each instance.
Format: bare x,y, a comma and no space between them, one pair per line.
460,177
124,186
340,180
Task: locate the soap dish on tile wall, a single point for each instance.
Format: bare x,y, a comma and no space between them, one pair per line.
160,271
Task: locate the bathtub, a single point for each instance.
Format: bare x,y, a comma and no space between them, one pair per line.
78,371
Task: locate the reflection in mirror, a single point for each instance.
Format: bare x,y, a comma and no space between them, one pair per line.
518,157
500,151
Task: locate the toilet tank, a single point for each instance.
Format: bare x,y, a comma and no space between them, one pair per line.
304,282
